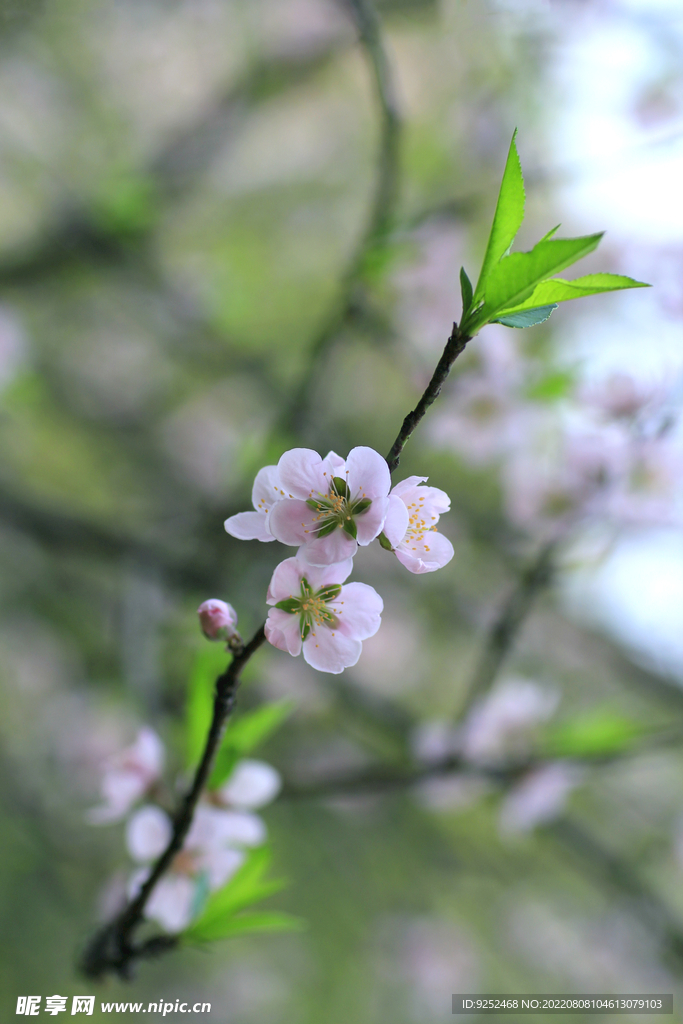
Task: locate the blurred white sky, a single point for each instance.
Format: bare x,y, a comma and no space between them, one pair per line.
619,136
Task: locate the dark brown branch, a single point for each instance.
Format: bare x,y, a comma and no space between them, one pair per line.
112,948
454,346
503,633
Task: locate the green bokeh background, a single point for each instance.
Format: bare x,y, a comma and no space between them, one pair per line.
182,186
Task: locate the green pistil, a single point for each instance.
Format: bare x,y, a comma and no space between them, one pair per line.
312,607
336,509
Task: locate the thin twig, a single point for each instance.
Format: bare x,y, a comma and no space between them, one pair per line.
454,346
112,948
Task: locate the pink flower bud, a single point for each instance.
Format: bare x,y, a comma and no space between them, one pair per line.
217,619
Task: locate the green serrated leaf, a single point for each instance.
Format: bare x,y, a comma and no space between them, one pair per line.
526,317
514,279
257,921
465,291
209,663
506,220
559,290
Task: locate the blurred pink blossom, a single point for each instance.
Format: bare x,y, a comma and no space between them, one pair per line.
251,785
128,776
503,724
539,797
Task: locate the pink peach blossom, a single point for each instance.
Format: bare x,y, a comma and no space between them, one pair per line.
410,525
332,505
128,776
314,612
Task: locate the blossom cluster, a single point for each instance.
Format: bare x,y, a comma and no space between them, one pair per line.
327,508
569,453
223,829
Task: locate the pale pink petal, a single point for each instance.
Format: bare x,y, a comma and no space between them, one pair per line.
213,828
369,524
171,901
285,581
335,547
426,556
302,473
331,651
367,473
396,520
359,610
293,522
220,865
323,575
148,753
248,526
336,462
283,631
406,485
120,789
266,490
148,833
253,784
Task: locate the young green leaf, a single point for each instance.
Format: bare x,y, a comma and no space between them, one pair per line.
245,888
525,317
515,277
506,220
256,921
465,291
559,290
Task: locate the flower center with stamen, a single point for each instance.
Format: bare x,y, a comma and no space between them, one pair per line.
312,607
337,508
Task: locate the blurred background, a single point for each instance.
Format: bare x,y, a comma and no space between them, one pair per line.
229,227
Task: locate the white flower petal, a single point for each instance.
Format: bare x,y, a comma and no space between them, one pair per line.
331,651
358,608
396,520
266,490
253,784
302,473
428,555
171,901
148,833
220,865
249,526
283,631
335,547
367,473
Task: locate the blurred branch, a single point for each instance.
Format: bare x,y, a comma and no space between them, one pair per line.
78,235
112,948
351,298
504,631
609,868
